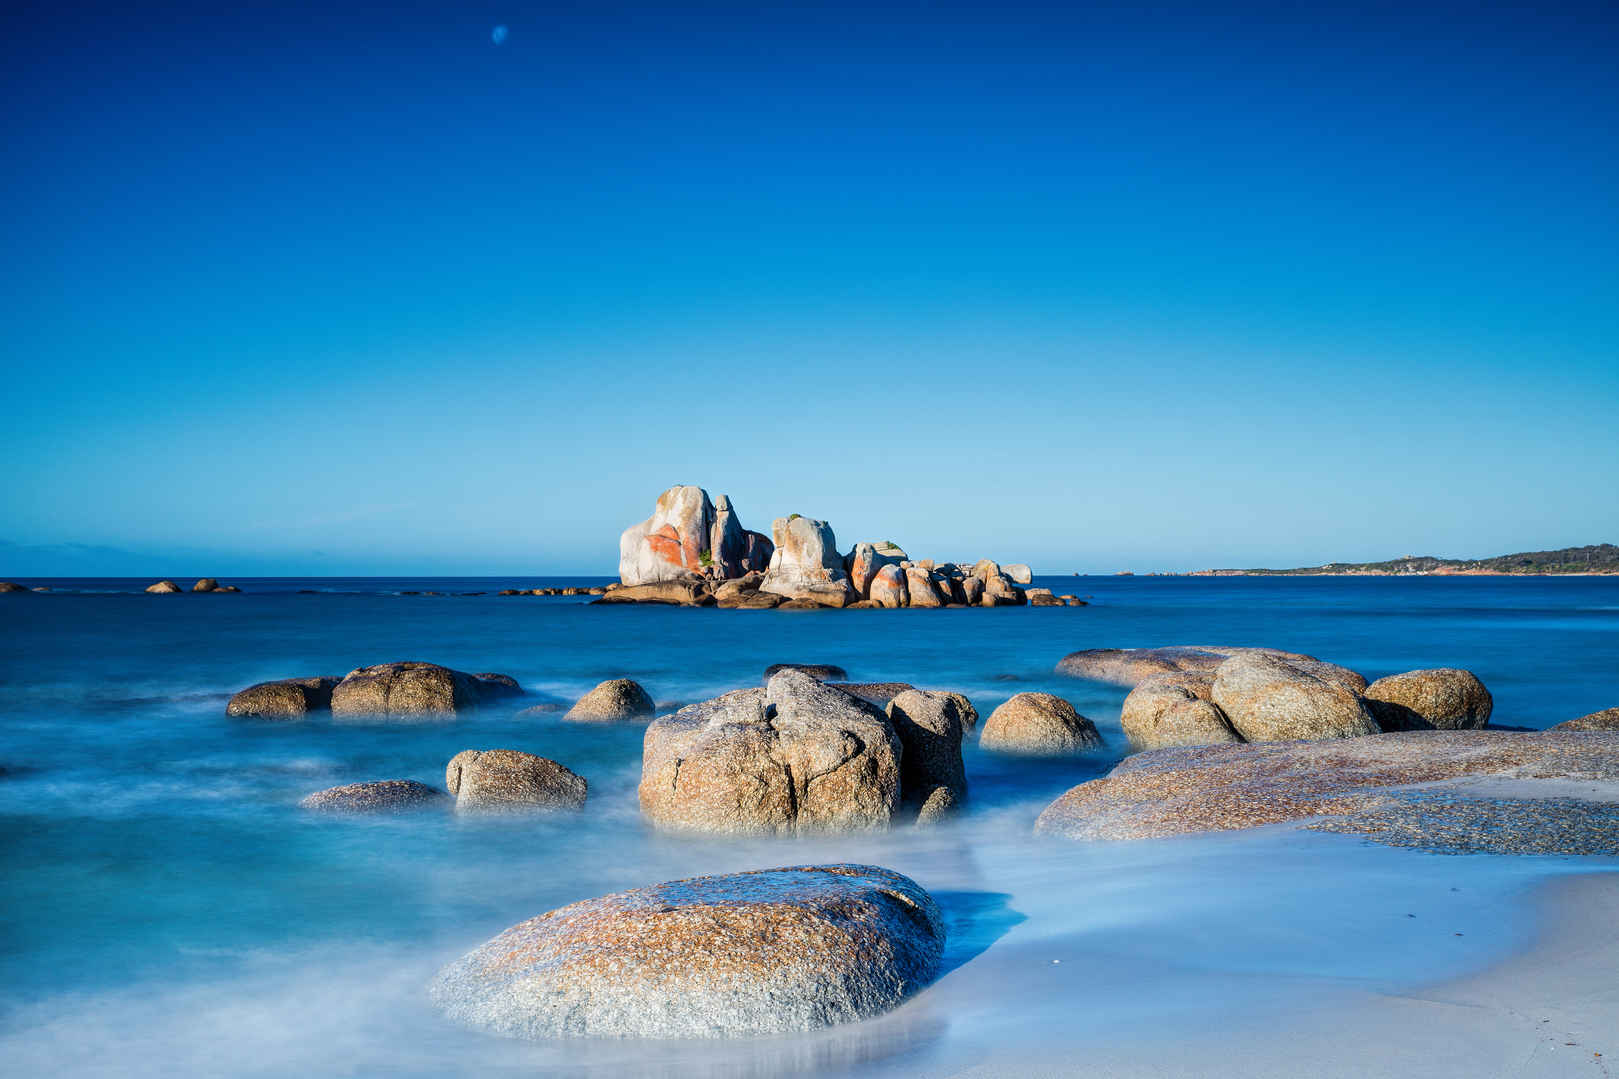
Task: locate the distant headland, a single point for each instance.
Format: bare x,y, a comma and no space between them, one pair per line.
1600,558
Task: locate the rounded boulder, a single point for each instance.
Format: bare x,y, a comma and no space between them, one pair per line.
1440,699
1039,724
496,779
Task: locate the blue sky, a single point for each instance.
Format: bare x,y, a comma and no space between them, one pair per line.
365,292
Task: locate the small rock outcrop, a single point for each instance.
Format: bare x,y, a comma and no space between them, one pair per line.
496,687
288,698
507,779
764,952
12,586
1174,710
930,729
379,796
1039,724
795,756
1441,699
1485,791
1605,720
805,564
206,584
613,700
686,536
163,588
686,592
821,672
407,690
1269,699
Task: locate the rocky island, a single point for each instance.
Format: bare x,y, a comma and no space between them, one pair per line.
694,552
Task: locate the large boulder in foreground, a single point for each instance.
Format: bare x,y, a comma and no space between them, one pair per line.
289,698
1270,699
930,728
765,952
1605,720
507,779
379,796
1039,724
1128,666
611,701
1492,791
408,690
1442,699
1174,710
806,565
795,756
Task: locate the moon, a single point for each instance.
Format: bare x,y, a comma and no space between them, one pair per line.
498,35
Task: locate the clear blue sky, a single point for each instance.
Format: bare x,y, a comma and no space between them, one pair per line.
1144,287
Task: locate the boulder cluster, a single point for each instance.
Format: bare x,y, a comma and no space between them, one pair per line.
1202,695
691,553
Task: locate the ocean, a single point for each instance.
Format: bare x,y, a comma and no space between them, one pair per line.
168,908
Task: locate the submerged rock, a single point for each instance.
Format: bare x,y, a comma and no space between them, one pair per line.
764,952
1605,720
495,687
1039,724
1128,666
408,689
611,701
1495,791
1268,699
1175,710
510,779
1445,698
818,671
289,698
379,796
163,588
797,755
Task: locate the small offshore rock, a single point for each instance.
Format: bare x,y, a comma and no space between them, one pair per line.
613,700
763,952
380,796
818,671
288,698
406,690
1440,699
1039,724
509,779
163,588
206,584
12,586
544,708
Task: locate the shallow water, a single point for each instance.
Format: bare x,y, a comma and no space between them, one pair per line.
169,909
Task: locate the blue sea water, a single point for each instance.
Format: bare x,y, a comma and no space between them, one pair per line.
168,909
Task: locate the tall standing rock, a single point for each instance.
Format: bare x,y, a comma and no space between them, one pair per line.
888,588
688,534
805,564
866,559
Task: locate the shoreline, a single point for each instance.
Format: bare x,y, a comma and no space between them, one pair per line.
1549,1008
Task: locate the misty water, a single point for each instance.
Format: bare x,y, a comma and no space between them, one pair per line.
168,908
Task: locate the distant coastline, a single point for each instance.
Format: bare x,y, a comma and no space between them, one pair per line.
1596,560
